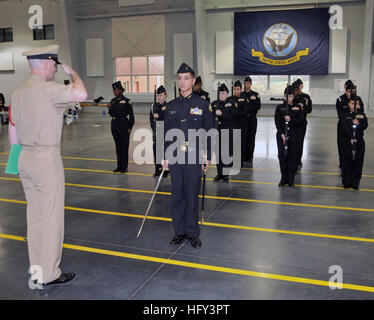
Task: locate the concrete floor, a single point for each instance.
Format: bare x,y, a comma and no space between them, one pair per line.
259,256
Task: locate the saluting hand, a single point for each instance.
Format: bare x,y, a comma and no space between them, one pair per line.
67,69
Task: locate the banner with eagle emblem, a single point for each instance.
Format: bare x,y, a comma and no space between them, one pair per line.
282,42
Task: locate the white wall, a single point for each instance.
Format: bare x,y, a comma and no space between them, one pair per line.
15,14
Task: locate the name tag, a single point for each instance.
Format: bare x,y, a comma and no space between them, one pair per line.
196,111
228,105
122,101
241,100
296,108
253,97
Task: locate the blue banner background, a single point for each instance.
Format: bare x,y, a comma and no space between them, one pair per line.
312,30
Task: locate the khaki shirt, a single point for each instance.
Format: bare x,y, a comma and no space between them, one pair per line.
37,111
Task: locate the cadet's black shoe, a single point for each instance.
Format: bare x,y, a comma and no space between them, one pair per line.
117,170
282,183
64,279
177,239
226,178
291,185
217,178
124,171
356,188
195,242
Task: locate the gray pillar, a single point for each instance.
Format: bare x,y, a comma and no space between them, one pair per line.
201,40
367,83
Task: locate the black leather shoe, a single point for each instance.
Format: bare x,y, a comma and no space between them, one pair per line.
177,239
195,242
226,178
117,170
63,280
124,171
282,183
291,185
356,188
217,178
346,187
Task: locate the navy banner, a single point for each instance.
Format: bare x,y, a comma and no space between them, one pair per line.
282,42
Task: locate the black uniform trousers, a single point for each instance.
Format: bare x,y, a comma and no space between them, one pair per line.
223,164
251,138
242,124
185,188
303,133
288,164
122,141
351,169
339,141
158,167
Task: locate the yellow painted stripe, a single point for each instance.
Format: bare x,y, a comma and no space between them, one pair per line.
252,169
215,197
210,179
200,266
211,224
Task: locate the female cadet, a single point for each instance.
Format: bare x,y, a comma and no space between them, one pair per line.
120,108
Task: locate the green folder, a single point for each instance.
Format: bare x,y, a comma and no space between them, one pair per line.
12,166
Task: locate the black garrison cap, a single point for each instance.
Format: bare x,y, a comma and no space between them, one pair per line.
118,85
161,89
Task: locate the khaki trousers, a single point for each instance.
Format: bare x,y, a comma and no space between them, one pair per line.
42,175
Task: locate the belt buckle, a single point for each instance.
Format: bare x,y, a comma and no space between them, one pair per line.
184,146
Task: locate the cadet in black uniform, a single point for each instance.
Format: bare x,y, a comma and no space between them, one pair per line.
290,135
305,102
120,108
199,91
226,112
254,105
188,111
157,114
4,118
242,117
352,144
342,107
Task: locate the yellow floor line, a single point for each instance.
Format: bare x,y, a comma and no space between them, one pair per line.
210,224
199,266
211,179
214,197
251,169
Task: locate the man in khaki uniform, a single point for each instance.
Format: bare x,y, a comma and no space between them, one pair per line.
37,116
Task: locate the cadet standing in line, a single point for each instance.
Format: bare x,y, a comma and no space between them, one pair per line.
188,111
305,102
4,118
254,105
156,115
342,107
199,91
120,108
226,111
36,123
242,117
288,135
352,144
